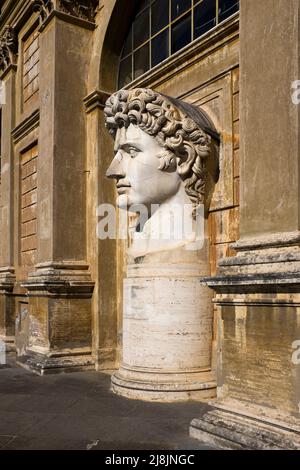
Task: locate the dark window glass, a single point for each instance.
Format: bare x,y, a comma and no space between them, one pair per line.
204,17
179,6
143,4
128,44
160,47
125,72
141,60
181,33
227,8
159,15
141,28
153,18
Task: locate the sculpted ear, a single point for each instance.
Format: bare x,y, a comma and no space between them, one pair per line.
186,161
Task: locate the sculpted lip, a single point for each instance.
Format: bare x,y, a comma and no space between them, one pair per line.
121,187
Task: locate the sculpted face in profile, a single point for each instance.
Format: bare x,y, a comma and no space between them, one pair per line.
161,148
135,167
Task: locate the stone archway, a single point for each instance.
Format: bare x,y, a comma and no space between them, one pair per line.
204,74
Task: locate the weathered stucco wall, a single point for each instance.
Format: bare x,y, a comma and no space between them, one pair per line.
269,64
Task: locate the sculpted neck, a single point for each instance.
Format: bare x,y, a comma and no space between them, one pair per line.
170,226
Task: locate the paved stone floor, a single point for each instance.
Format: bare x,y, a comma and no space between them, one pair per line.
78,411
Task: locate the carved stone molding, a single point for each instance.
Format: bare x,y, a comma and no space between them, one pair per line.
7,279
96,99
62,278
27,125
44,7
82,9
8,48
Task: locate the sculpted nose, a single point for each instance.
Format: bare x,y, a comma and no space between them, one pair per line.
115,169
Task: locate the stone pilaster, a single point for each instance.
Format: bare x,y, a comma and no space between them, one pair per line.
8,50
60,288
258,290
104,256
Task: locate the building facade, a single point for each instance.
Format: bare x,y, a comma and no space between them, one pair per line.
61,286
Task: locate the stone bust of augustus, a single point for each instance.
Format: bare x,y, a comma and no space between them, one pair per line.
163,149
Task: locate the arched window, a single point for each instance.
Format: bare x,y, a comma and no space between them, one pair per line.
163,27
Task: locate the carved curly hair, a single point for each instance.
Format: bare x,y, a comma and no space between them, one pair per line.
185,144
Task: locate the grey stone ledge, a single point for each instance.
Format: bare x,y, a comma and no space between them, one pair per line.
236,431
275,240
264,281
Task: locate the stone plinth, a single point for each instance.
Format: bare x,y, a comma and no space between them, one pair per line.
257,290
229,429
258,373
167,335
59,319
7,307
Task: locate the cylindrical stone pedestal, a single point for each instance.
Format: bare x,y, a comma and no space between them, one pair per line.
167,334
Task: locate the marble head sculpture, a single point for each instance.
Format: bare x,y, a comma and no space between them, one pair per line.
163,151
162,147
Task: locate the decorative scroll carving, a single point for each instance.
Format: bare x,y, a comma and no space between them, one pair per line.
84,9
44,7
8,48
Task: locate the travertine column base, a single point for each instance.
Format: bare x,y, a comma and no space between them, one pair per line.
172,386
167,335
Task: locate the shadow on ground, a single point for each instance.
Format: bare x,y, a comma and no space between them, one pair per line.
78,411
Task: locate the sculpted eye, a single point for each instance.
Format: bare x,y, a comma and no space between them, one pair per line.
133,151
